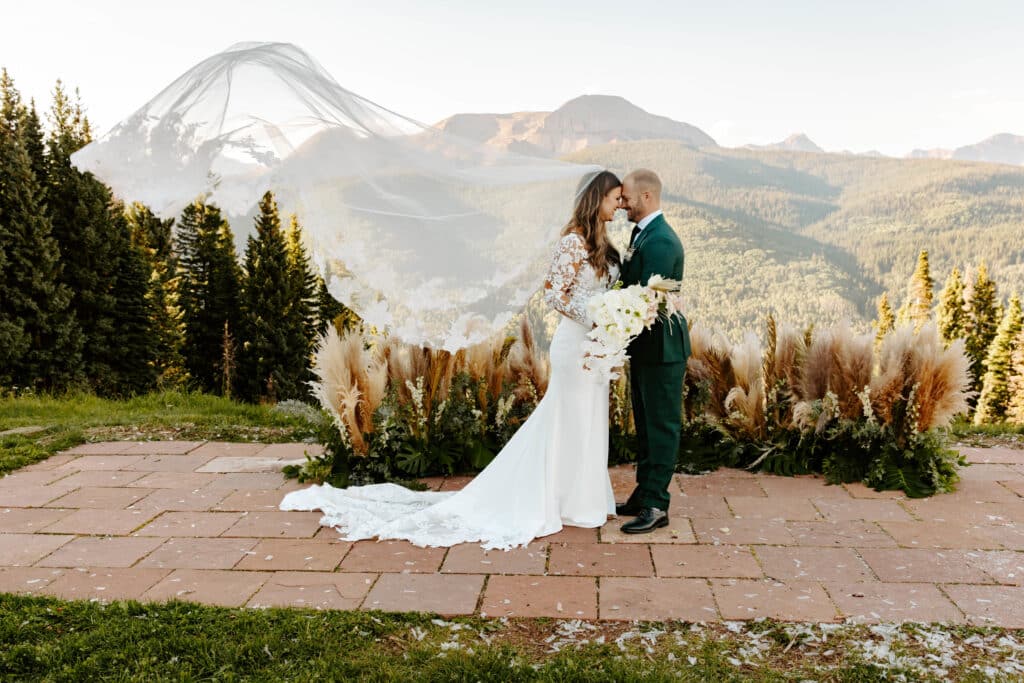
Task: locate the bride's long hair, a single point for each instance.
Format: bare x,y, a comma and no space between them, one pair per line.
585,220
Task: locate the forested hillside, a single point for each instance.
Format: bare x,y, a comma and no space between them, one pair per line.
817,237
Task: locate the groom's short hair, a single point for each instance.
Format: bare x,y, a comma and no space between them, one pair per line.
646,180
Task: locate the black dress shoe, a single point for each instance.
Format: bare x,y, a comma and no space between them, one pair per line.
646,521
627,509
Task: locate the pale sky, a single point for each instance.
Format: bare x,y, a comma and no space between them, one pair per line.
887,75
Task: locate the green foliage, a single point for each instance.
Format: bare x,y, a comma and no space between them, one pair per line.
330,311
846,451
40,341
982,322
131,350
43,638
70,419
303,314
105,274
276,324
419,433
1015,386
952,312
995,393
918,305
455,433
153,237
208,294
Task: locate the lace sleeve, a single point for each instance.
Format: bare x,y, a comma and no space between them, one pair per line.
560,286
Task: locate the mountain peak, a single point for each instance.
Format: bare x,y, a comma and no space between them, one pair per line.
797,142
584,121
1002,148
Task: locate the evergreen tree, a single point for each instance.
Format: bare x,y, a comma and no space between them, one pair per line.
982,320
104,272
886,321
152,233
14,340
995,393
1015,410
952,313
208,292
917,309
267,367
35,145
330,311
303,323
39,341
153,237
131,351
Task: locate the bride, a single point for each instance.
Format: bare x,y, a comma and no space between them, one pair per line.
554,469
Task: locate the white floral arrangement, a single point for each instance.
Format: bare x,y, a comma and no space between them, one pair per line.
620,315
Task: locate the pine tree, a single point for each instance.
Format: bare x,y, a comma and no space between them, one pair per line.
210,280
330,311
952,313
104,272
35,145
267,368
982,320
886,321
917,309
131,350
152,233
1015,410
14,167
995,393
40,343
303,323
153,237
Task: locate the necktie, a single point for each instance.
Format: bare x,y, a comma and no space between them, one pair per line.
632,236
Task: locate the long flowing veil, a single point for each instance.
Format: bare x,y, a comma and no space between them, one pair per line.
434,238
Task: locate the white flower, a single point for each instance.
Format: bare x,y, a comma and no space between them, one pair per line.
620,315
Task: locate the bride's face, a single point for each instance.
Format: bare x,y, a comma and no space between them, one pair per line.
611,202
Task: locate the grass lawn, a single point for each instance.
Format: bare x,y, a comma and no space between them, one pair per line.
76,418
42,638
1002,434
49,639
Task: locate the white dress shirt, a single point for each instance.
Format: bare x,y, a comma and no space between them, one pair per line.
646,220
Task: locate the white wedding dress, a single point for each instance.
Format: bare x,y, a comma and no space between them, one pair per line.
552,472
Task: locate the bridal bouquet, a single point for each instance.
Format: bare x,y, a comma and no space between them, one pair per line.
621,314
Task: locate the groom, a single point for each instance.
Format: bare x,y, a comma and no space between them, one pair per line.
657,357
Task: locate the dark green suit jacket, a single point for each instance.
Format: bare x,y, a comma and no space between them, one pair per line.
658,251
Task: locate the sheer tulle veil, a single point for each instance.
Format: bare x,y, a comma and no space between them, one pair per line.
434,238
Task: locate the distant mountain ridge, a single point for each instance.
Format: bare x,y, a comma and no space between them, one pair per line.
594,120
1004,148
798,142
586,121
790,229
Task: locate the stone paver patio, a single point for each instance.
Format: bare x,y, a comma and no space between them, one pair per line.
199,521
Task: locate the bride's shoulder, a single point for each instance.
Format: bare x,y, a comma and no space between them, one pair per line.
572,239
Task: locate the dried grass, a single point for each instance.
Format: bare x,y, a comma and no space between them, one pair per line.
745,402
710,362
839,362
